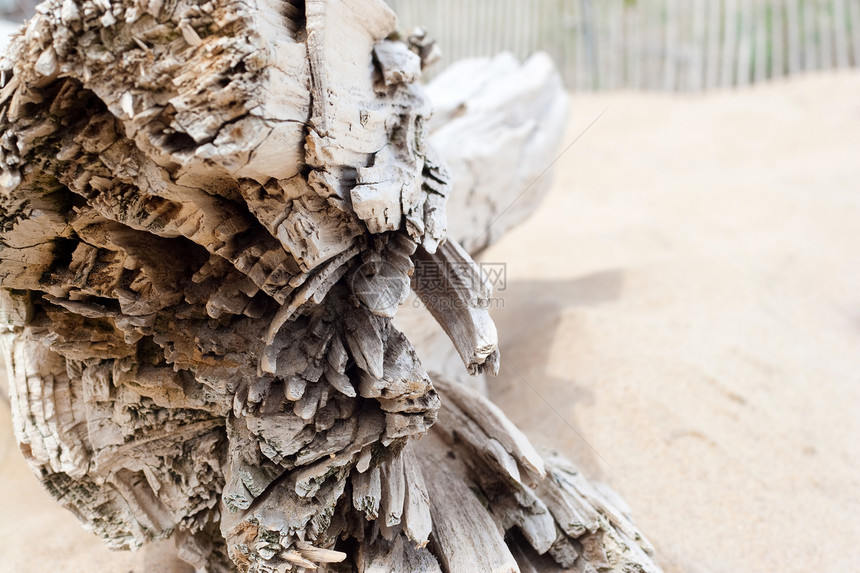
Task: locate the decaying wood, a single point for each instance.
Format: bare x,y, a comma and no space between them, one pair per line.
209,214
500,163
482,470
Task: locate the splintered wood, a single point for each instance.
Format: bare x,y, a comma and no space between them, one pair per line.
209,214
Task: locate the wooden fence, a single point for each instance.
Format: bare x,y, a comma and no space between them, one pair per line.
676,45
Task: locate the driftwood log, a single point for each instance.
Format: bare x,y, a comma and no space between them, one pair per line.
210,214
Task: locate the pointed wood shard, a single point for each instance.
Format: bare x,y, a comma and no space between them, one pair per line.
455,291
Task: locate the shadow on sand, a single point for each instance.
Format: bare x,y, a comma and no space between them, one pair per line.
540,402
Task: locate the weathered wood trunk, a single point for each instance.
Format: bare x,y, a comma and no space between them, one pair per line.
210,214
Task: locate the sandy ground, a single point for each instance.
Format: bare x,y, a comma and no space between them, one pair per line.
682,318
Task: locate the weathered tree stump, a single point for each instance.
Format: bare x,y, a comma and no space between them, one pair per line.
210,213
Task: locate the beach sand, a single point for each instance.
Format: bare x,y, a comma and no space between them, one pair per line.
682,317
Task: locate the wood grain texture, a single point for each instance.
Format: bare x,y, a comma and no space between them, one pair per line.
210,215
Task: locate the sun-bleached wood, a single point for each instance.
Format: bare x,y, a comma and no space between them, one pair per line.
500,163
210,215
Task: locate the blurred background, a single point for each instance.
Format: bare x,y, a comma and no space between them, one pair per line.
672,45
682,313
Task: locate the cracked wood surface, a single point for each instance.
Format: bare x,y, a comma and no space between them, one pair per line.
210,214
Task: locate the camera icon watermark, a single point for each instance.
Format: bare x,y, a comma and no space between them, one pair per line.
381,286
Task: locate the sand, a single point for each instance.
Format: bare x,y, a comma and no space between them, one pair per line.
688,300
681,317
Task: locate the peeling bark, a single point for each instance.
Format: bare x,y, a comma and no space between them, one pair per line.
209,214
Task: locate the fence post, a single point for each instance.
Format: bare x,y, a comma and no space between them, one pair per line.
777,38
760,43
854,12
840,21
824,13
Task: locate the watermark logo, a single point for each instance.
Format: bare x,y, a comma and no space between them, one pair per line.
487,278
443,302
496,274
382,287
